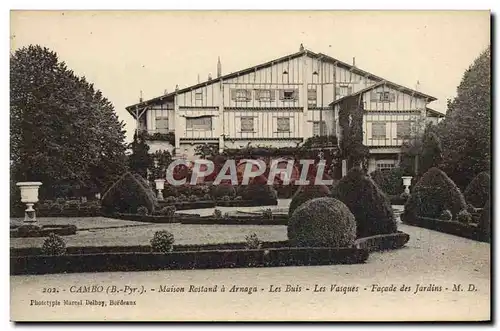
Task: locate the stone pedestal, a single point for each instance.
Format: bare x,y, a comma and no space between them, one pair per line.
29,196
407,183
160,185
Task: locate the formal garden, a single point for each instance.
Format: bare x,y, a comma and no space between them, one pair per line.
97,209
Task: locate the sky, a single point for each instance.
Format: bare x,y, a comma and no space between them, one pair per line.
125,52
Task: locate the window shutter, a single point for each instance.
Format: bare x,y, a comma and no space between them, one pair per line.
257,94
374,96
233,94
282,94
273,94
249,94
296,94
392,97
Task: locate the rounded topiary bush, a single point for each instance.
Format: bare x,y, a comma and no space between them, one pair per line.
163,241
434,193
478,191
370,206
53,245
446,215
322,222
126,195
167,211
222,190
258,190
306,193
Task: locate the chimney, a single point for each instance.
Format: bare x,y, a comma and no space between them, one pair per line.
219,68
209,77
140,96
301,48
165,91
176,87
353,61
198,78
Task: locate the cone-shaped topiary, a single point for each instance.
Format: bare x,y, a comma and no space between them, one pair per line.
485,222
126,195
258,190
306,193
370,206
322,222
478,191
434,193
147,187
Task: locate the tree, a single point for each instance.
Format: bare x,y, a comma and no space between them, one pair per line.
62,131
140,160
431,153
466,132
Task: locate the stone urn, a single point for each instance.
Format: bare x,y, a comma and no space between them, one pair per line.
407,183
29,196
160,185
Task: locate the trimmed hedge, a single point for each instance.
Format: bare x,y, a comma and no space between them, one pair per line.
126,195
258,190
222,190
478,191
212,259
370,206
390,182
28,231
306,193
465,230
322,222
434,193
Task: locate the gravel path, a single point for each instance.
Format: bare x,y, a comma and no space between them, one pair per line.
429,258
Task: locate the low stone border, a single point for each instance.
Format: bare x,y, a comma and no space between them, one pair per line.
201,259
144,218
188,205
235,220
246,203
24,231
470,231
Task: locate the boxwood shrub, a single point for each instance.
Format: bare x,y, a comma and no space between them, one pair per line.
258,190
478,190
306,193
434,193
322,222
370,206
126,195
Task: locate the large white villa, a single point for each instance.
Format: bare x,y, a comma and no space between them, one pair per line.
281,103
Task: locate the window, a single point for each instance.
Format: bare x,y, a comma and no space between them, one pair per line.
289,95
241,95
198,96
383,96
378,130
385,165
403,130
312,97
199,123
283,124
247,124
162,124
343,90
316,128
265,95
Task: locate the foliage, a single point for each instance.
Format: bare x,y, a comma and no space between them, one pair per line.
367,202
168,137
217,213
258,190
431,154
163,241
267,214
193,198
464,216
478,191
167,211
126,195
163,160
485,221
62,130
466,131
389,182
142,210
222,190
322,222
53,245
140,160
306,193
434,192
226,198
252,241
147,187
446,215
171,199
206,151
206,197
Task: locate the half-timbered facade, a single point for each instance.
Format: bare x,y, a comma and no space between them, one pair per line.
279,103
